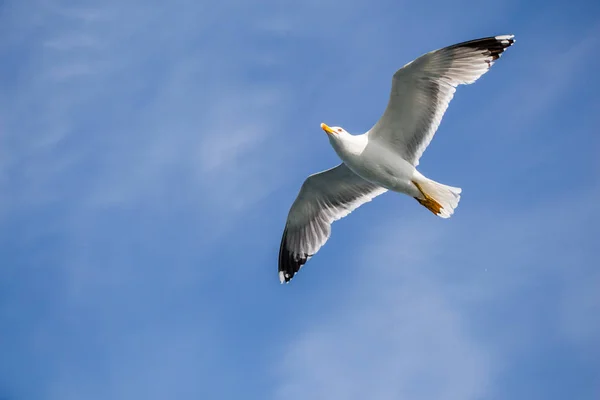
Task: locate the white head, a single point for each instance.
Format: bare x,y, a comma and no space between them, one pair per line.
344,142
335,132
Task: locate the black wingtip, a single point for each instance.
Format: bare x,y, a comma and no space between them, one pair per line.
493,46
289,263
499,44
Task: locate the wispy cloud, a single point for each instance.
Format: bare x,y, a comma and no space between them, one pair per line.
132,141
411,324
402,339
184,108
149,152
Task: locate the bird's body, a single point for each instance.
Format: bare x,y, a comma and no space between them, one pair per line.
377,164
386,157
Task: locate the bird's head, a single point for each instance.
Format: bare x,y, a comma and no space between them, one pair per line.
334,131
336,134
342,141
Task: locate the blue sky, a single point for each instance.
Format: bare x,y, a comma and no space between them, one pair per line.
149,154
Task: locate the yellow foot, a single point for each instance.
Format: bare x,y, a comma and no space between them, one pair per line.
428,202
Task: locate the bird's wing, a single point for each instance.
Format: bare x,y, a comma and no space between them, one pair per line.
324,198
423,88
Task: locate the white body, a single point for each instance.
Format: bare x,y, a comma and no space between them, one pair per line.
376,163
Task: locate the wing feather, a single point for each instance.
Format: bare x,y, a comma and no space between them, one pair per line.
422,90
324,198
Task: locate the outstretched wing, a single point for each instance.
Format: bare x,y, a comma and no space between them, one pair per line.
423,88
324,198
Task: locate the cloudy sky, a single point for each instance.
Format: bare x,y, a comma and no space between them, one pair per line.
149,154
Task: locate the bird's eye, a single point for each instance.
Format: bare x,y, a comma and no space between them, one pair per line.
339,130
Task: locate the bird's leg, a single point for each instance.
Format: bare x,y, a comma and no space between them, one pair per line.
428,202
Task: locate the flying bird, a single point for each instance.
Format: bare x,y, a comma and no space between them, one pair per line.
386,156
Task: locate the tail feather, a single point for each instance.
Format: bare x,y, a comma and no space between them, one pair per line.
438,198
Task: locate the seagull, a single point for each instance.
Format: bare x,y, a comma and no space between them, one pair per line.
386,156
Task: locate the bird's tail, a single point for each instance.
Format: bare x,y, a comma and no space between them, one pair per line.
437,198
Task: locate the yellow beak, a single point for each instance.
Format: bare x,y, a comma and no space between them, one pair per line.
327,129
